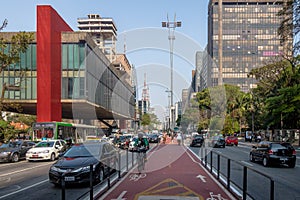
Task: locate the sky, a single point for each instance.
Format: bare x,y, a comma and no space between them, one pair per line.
140,35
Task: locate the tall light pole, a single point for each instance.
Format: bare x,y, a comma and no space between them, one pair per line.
171,26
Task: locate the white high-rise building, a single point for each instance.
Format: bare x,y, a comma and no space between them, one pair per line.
103,31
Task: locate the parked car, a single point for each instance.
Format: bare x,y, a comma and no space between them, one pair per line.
153,138
217,141
270,153
46,150
231,140
120,141
15,150
74,165
197,140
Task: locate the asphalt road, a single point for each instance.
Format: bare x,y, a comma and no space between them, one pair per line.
286,179
29,180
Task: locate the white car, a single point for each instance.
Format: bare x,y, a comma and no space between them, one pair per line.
46,150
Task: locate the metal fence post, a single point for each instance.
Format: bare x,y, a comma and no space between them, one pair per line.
119,165
218,167
63,187
245,183
205,158
127,163
228,174
132,160
211,161
91,183
272,190
108,178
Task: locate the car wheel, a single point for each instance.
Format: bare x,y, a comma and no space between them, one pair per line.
100,175
292,165
251,158
15,157
52,157
265,162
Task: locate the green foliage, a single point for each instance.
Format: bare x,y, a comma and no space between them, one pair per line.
9,56
18,44
26,119
7,131
277,94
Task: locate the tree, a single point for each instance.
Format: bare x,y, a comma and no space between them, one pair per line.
6,131
278,91
146,119
10,50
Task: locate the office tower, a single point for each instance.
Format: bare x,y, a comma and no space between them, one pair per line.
248,39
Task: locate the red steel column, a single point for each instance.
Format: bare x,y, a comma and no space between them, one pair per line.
48,37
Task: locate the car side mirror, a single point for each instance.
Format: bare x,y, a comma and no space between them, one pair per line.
56,146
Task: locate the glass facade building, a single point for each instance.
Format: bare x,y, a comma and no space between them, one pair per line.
249,39
87,76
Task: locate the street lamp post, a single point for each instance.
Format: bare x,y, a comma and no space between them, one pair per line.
171,26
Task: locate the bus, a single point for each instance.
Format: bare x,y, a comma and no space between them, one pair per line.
63,130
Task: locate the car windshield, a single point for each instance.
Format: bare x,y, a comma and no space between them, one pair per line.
198,136
45,144
4,145
13,144
83,151
281,146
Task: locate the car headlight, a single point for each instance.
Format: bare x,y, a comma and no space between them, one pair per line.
5,153
53,168
85,169
45,151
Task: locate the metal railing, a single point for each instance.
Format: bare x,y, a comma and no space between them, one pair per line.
127,161
239,188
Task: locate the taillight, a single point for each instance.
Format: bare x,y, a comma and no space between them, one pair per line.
270,152
294,152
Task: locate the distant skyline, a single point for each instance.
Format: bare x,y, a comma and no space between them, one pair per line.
139,29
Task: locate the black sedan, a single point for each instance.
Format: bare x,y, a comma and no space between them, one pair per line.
13,151
197,140
217,141
274,153
74,165
153,138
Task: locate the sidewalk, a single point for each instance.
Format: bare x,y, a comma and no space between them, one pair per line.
171,172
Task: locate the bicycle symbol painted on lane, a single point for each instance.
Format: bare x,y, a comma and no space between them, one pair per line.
215,197
136,177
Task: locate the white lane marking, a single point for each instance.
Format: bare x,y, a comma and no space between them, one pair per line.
22,170
202,178
120,197
136,177
12,193
245,162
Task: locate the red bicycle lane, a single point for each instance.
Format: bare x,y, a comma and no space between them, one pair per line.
171,172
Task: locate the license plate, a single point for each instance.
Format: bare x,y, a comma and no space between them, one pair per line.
69,178
35,156
283,159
